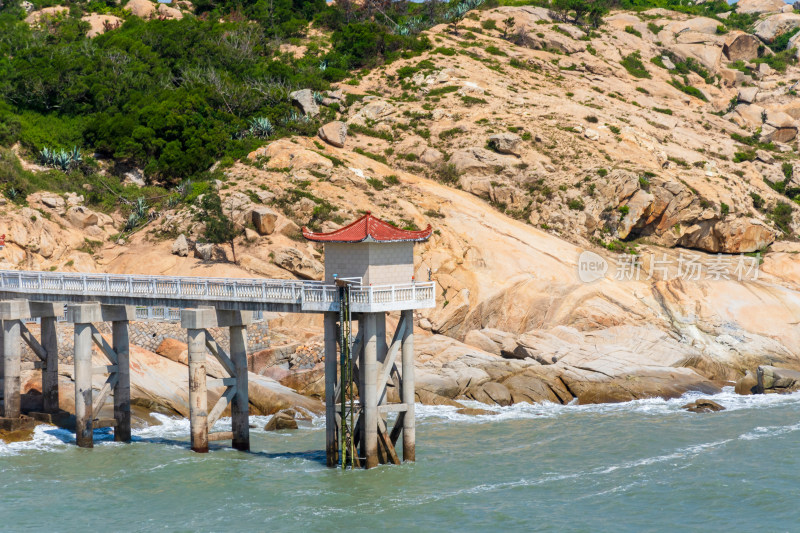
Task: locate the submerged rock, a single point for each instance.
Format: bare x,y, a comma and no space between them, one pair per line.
475,412
703,405
281,420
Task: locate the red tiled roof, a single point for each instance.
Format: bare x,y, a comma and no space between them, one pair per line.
369,229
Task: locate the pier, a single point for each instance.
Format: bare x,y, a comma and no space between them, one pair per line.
368,273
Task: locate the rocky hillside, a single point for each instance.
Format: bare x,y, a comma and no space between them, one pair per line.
525,139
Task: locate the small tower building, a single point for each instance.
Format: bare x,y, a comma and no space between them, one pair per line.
370,249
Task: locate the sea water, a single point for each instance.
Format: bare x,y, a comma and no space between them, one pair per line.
637,466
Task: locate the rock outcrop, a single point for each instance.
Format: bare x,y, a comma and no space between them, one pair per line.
771,379
334,133
304,99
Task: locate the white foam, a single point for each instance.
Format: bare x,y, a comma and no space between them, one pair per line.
651,406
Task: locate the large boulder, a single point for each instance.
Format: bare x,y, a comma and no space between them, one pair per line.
779,127
181,246
263,219
281,420
748,95
304,98
334,133
774,26
757,7
141,8
48,12
294,261
777,380
506,143
741,46
747,384
166,12
99,24
81,217
377,110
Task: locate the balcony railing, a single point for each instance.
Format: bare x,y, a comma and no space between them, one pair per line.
308,295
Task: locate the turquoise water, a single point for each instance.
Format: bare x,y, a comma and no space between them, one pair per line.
639,466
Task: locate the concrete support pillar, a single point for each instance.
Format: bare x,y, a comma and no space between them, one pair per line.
122,390
198,395
84,417
2,364
407,392
12,355
331,436
50,370
381,343
240,408
369,396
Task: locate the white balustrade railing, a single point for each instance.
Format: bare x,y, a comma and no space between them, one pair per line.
314,293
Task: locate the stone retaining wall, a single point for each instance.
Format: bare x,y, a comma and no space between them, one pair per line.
148,334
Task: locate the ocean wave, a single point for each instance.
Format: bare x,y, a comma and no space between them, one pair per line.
650,406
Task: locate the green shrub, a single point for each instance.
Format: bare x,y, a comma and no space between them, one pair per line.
782,216
576,204
748,155
447,173
788,170
495,51
633,64
688,89
633,31
438,91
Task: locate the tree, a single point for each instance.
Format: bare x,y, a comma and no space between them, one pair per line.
508,25
560,9
219,227
597,10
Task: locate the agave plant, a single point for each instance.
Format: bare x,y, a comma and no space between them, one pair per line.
141,208
261,127
132,222
61,159
184,187
323,65
76,155
46,156
318,97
